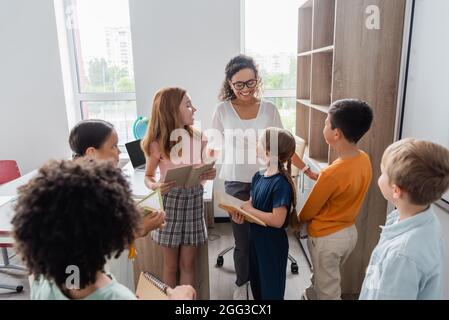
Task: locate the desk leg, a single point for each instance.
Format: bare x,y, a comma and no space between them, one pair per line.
305,252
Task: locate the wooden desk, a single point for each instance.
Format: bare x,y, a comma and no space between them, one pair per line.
6,212
149,254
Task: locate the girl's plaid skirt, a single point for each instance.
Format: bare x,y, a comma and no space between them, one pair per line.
184,218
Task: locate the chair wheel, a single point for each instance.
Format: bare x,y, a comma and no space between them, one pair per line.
220,261
19,289
294,268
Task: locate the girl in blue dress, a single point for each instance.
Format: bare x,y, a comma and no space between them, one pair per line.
273,198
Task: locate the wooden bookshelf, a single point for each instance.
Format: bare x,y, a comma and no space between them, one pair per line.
305,27
323,23
304,75
320,50
338,58
309,104
321,84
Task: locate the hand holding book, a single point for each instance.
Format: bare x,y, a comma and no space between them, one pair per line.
237,217
209,175
153,215
189,176
181,293
234,207
152,221
165,187
150,287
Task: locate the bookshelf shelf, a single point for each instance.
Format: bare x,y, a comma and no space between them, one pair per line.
308,103
323,23
320,50
304,77
305,20
321,83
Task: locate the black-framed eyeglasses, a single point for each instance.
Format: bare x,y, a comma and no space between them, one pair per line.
240,85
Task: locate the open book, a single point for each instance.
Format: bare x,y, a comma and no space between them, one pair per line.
230,203
152,202
187,176
151,287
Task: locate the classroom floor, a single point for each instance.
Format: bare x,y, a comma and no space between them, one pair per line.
14,278
221,279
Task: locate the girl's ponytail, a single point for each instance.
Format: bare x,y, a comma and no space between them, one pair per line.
287,173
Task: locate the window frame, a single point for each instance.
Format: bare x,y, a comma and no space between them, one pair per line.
80,97
268,93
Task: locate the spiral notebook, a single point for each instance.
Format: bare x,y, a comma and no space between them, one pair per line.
151,287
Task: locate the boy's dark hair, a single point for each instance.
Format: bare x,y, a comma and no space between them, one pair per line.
89,133
237,64
74,213
353,117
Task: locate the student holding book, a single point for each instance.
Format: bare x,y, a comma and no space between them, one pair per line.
334,203
70,218
185,229
243,108
97,139
273,199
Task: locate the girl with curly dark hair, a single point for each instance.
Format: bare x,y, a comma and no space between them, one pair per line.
73,215
70,218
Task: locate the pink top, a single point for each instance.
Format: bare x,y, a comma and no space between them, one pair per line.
194,147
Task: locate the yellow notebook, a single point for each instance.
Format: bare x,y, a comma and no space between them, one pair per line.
151,287
230,203
152,202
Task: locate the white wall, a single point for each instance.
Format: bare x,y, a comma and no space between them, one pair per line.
426,113
184,43
443,215
33,121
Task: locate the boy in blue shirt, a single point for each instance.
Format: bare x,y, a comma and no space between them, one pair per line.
407,263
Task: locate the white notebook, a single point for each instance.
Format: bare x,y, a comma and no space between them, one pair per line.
152,202
187,176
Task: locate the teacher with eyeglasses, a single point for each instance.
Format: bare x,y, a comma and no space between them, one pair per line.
243,109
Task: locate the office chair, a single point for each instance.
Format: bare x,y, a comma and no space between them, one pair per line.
8,171
300,148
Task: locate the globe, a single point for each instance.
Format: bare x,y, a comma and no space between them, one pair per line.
140,127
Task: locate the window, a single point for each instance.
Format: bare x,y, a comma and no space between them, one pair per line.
271,39
100,46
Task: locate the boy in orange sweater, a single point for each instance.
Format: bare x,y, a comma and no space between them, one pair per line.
334,203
